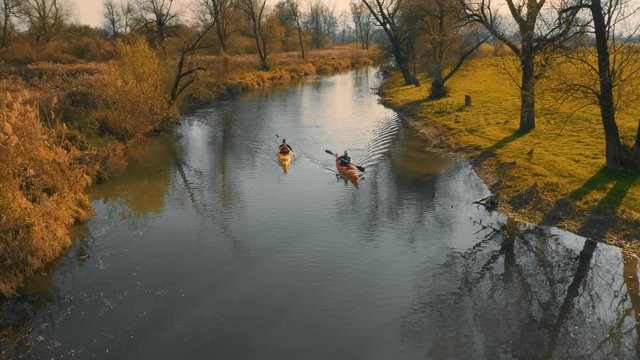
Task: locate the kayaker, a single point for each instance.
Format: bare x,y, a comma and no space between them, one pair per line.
284,147
345,160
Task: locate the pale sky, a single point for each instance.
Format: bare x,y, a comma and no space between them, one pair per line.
90,11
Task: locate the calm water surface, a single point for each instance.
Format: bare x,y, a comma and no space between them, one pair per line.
205,249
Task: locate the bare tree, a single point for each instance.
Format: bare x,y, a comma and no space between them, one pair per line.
362,21
112,17
330,22
446,40
158,17
255,11
8,8
127,15
44,18
610,82
541,30
386,14
292,16
186,70
347,30
219,13
321,22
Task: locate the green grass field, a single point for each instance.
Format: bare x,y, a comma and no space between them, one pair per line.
553,175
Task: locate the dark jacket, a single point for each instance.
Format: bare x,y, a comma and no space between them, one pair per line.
285,148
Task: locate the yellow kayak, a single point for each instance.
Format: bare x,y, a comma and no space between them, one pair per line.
284,160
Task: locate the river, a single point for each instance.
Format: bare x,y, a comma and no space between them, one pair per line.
205,249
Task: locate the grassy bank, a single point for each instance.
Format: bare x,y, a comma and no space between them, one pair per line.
228,77
552,176
65,126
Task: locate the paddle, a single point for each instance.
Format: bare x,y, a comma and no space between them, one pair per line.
361,168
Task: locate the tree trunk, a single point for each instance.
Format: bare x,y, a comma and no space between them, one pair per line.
301,41
162,35
5,30
403,64
613,147
527,90
176,81
260,43
5,27
438,90
635,151
222,38
264,63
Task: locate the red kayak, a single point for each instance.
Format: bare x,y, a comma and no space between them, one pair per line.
349,172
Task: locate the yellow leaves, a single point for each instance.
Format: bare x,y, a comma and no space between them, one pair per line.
133,92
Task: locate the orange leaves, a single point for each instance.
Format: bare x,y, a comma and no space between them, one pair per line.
42,193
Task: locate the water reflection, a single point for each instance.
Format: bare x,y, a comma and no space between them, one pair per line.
526,292
25,317
143,185
411,157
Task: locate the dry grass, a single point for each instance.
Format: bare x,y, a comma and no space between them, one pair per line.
42,193
551,176
236,74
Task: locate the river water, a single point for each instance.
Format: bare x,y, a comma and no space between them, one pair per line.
205,249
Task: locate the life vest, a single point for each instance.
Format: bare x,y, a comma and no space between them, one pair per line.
284,149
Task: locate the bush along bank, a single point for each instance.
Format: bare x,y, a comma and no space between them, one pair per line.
64,127
216,84
552,176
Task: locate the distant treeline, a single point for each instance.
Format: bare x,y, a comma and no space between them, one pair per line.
41,30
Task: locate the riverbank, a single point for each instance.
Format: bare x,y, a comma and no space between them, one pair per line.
228,77
81,117
552,176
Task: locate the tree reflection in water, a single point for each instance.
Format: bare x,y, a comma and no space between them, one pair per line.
528,292
143,185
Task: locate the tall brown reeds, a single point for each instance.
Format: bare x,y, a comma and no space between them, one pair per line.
41,196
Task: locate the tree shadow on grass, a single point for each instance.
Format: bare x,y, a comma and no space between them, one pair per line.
603,216
411,108
491,150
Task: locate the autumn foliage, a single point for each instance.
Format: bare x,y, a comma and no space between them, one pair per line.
41,196
132,95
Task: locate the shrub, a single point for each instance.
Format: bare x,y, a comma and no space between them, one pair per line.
133,93
41,196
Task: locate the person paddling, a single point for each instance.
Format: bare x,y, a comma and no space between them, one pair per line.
345,160
285,148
